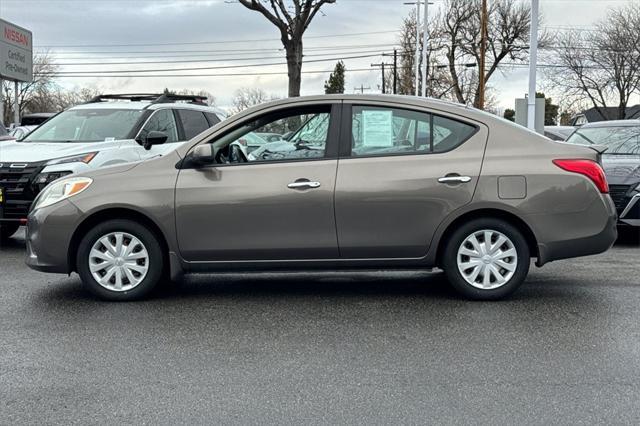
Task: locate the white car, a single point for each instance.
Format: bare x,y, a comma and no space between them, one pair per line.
108,130
21,131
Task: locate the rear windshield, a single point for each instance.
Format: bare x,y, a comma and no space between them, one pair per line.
87,125
619,140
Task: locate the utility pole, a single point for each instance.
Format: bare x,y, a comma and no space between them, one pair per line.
16,105
395,72
361,89
384,83
483,49
425,47
533,61
417,48
1,104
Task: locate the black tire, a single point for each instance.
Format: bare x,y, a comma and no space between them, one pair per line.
151,243
455,277
7,230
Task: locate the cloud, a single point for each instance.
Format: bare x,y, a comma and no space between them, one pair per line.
131,24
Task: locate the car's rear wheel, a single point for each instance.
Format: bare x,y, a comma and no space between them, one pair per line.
7,230
120,260
486,259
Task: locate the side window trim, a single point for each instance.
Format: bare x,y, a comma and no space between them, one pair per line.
346,140
181,133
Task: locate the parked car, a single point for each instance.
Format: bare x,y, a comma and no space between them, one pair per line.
621,162
250,142
36,119
20,132
398,182
4,134
270,137
558,133
110,129
29,123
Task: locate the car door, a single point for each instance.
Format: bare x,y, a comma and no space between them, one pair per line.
400,173
278,206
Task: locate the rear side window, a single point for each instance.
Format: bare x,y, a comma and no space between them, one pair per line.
193,122
391,131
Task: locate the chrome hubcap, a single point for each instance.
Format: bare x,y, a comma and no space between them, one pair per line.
487,259
118,261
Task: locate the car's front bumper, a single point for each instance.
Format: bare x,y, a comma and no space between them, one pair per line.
48,237
630,215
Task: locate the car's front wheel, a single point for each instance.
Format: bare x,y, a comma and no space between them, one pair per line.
120,260
486,259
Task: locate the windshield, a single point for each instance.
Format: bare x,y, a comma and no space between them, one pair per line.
619,140
87,125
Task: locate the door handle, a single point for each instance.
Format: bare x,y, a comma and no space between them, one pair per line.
454,179
301,184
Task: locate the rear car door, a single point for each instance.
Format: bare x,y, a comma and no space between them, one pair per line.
401,172
277,206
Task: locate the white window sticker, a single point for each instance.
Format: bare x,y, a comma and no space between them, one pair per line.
377,128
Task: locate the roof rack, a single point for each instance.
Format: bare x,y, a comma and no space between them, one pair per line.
154,98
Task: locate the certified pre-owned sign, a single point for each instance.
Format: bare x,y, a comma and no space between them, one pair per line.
16,52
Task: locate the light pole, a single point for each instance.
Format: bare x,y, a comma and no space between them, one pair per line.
533,60
425,47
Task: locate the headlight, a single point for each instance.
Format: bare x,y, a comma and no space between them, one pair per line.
61,190
44,179
82,158
638,188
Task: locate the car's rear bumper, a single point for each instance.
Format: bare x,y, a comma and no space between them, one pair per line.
584,245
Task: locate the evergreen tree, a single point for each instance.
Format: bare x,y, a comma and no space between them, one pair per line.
335,84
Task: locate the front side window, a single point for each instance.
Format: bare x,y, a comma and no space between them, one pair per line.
161,121
87,125
193,122
621,140
301,134
388,131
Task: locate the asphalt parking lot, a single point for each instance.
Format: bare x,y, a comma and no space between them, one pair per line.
340,348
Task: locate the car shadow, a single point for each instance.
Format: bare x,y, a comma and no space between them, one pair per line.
431,288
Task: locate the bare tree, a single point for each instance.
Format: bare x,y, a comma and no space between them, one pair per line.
247,97
437,81
601,66
508,38
292,24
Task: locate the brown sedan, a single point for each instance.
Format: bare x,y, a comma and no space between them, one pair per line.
355,182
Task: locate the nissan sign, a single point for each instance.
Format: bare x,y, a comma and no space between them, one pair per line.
16,52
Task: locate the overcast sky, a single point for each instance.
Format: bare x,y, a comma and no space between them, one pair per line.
100,30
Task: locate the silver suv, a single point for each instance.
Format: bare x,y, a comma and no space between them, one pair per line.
108,130
365,182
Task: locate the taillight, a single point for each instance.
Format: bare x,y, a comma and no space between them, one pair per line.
587,168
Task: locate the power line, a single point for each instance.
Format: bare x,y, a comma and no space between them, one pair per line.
210,68
234,41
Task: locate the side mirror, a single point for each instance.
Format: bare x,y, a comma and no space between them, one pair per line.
203,154
154,137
